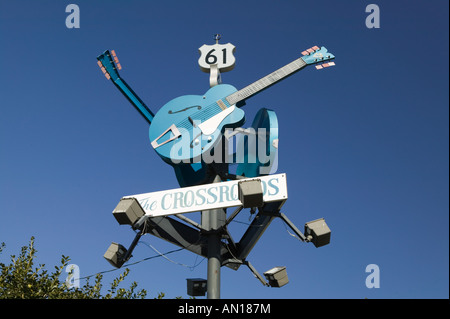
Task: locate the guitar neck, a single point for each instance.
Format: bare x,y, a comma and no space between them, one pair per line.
110,70
134,99
266,81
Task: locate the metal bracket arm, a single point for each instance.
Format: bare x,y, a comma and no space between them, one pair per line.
133,245
256,273
293,227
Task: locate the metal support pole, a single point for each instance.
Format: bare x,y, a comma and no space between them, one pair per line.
212,221
214,263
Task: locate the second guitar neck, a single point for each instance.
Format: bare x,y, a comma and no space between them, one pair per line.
134,99
109,64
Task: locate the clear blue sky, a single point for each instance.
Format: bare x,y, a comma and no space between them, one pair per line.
364,144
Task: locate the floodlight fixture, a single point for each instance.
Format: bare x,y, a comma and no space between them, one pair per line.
277,276
128,211
317,232
115,255
196,286
251,193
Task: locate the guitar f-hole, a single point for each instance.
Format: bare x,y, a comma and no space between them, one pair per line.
185,109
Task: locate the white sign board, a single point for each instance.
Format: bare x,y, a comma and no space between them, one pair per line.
209,196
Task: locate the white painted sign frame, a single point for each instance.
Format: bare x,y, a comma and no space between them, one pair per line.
208,196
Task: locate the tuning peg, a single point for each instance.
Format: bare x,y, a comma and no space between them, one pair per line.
308,51
116,59
106,73
315,48
324,65
100,64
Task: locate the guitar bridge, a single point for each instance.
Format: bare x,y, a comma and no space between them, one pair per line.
176,133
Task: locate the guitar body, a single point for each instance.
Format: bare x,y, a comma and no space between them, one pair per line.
177,133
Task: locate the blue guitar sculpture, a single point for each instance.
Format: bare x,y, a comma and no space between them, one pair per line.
187,127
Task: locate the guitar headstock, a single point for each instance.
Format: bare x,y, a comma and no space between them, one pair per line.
109,64
316,55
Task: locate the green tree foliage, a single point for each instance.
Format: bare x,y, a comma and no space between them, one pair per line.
21,279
